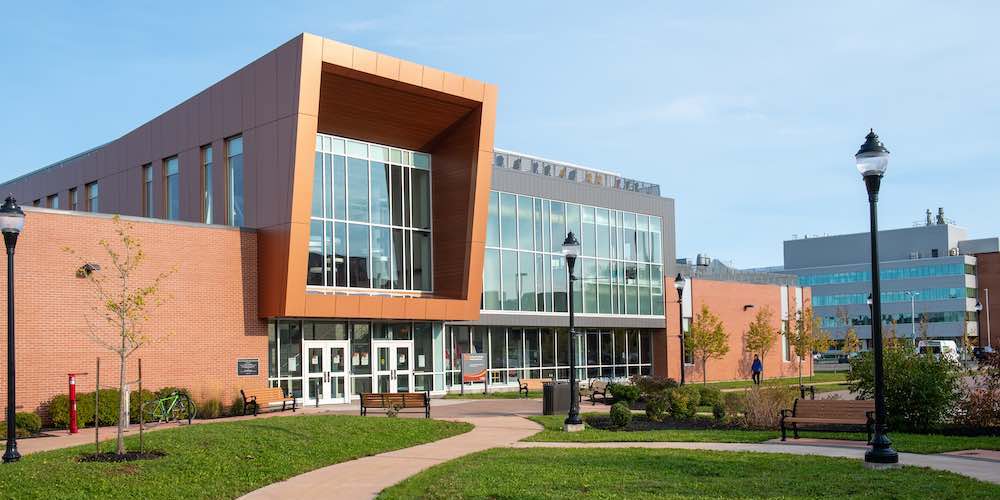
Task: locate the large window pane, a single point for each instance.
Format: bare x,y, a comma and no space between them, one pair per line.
604,286
620,356
380,193
589,285
633,346
381,244
359,255
539,240
573,223
542,299
339,188
400,259
629,236
420,194
558,273
493,221
289,348
655,236
491,280
607,348
642,237
515,352
588,241
234,167
498,348
593,347
548,348
644,305
526,279
172,187
340,253
423,348
396,191
318,185
421,260
603,240
508,220
656,289
315,262
328,254
357,189
508,284
557,221
525,225
532,352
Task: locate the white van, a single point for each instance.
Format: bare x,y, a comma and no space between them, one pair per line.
947,349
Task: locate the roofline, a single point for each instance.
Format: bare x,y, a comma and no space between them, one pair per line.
566,163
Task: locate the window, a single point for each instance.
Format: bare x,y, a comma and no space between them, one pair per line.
74,199
93,199
206,184
147,190
171,189
373,202
234,169
52,201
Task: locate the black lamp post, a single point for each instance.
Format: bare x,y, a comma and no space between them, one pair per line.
571,249
679,285
11,224
872,160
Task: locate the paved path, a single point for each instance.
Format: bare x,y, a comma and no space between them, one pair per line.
982,469
366,477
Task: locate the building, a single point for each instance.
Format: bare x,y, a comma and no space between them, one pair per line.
735,297
928,271
340,222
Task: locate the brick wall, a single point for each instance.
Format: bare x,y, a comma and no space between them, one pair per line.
209,318
727,300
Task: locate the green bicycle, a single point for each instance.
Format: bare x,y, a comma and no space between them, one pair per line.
173,408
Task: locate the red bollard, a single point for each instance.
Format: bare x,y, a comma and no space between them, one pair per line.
72,404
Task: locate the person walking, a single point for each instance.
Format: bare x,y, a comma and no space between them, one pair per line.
757,368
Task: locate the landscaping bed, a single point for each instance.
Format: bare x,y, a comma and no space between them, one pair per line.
218,460
647,473
641,423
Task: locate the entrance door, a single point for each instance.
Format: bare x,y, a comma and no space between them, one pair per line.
394,366
326,371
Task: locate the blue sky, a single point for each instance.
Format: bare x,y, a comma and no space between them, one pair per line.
747,113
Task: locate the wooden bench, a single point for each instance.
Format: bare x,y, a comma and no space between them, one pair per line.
810,412
262,399
526,385
398,400
599,388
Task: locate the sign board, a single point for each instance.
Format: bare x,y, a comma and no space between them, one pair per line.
473,367
248,367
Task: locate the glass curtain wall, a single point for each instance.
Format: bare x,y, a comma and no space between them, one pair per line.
171,189
371,217
620,269
234,168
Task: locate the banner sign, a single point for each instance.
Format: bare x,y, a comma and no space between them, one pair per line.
473,367
247,367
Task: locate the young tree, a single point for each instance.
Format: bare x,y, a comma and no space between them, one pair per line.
706,339
760,336
889,335
852,344
124,303
807,336
967,343
923,327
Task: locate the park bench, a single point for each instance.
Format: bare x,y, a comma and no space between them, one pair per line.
526,385
597,388
818,412
397,400
266,399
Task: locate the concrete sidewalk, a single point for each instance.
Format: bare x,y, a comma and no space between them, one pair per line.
984,470
366,477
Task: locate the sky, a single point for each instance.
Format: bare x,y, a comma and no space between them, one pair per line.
748,114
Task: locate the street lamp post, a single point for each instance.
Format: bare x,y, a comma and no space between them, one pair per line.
989,337
571,249
11,224
872,159
679,285
913,322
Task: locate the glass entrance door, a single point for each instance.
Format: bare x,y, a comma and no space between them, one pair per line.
394,366
326,371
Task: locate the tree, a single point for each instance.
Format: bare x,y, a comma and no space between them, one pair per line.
967,343
923,327
760,336
124,303
807,336
706,339
889,335
852,343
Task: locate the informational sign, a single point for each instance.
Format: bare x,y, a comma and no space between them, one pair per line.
247,367
473,367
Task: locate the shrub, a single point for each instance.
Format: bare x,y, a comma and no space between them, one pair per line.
719,411
108,413
620,415
167,391
981,404
734,402
210,408
657,406
627,394
134,404
684,402
763,405
237,407
26,424
59,411
920,390
709,396
650,386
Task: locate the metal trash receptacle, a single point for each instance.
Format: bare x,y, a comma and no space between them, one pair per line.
555,398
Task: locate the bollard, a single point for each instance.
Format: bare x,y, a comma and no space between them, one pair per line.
73,429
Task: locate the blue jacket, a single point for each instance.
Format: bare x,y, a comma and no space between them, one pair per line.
757,366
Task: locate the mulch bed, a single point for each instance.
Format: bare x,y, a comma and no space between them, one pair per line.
129,456
641,423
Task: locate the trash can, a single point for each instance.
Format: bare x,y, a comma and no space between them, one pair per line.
555,398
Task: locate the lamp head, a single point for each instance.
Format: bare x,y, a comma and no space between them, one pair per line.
11,216
872,159
570,246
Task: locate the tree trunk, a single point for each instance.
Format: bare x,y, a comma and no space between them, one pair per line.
800,371
704,371
122,401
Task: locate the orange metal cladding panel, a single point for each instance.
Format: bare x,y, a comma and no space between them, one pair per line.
374,98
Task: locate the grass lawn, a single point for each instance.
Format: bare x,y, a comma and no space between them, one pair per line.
220,460
909,443
492,395
739,384
639,473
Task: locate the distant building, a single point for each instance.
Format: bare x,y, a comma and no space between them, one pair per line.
928,271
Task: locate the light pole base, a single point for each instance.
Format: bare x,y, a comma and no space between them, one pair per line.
573,427
879,466
11,455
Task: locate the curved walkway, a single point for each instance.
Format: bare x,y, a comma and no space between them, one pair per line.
985,470
366,477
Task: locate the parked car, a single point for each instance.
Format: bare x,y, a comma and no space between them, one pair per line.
947,349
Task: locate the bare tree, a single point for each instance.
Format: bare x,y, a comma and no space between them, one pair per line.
760,336
807,336
707,339
123,305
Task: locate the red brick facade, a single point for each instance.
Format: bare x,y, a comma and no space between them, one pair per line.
727,300
208,321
